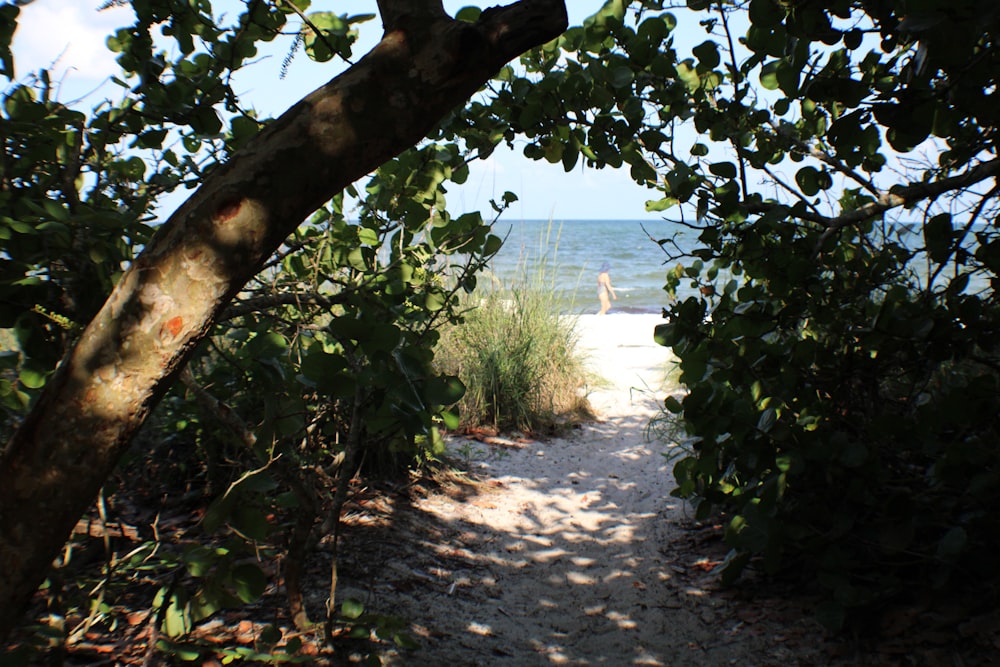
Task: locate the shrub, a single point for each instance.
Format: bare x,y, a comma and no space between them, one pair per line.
845,413
518,358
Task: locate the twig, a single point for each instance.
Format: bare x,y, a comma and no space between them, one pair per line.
319,33
910,194
354,442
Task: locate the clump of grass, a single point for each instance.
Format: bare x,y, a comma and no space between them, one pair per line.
518,357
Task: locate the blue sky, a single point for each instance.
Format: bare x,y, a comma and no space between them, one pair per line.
69,37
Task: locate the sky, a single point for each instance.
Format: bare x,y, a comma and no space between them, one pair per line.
68,37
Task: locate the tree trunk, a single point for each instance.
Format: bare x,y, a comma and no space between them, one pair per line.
425,65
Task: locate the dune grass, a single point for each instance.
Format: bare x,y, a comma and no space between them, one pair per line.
518,357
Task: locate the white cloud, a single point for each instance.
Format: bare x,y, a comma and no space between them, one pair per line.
68,37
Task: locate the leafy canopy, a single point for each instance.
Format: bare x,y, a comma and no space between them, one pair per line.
837,327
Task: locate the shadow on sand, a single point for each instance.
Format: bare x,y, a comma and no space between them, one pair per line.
563,552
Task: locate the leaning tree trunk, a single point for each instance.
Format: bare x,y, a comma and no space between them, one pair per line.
425,65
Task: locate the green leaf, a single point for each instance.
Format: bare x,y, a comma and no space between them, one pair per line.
468,14
953,543
769,75
251,521
249,582
707,54
938,234
185,652
317,365
269,635
435,301
405,641
723,169
766,420
352,609
177,619
32,378
243,129
445,390
661,204
205,121
688,74
200,560
808,180
620,77
450,419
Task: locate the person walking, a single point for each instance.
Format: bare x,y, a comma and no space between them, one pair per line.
604,288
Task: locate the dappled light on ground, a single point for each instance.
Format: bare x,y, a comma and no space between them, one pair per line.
569,551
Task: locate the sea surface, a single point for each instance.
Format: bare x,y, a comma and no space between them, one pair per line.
565,256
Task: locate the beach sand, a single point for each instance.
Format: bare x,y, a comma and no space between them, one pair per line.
570,551
621,351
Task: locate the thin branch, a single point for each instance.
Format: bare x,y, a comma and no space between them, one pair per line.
260,303
909,194
838,165
737,79
965,231
793,191
321,35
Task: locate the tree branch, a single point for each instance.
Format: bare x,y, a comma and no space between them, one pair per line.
900,196
910,194
257,304
397,14
200,258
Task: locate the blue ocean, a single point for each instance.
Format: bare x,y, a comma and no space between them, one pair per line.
565,256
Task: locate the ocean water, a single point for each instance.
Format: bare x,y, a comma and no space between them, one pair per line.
565,257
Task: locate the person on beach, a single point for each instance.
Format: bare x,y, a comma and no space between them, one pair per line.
604,288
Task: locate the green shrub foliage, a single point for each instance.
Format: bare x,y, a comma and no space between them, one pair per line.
841,354
840,346
328,350
841,411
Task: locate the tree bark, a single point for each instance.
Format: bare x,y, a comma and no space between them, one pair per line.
424,66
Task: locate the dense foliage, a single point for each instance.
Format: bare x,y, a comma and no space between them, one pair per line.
840,346
840,352
321,366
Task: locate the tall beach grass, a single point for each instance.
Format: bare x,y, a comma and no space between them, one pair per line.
517,353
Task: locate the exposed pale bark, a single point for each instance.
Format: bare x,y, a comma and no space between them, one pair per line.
213,244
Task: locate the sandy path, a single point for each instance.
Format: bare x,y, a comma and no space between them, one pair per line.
572,551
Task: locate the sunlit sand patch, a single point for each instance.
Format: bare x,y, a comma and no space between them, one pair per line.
480,629
549,555
540,540
633,453
617,574
623,621
647,660
580,579
621,533
555,654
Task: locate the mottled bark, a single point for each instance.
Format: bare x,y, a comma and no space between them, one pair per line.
425,65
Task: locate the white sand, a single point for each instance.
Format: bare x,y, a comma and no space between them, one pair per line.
621,350
571,551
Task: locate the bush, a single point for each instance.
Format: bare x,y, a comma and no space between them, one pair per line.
517,356
844,409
